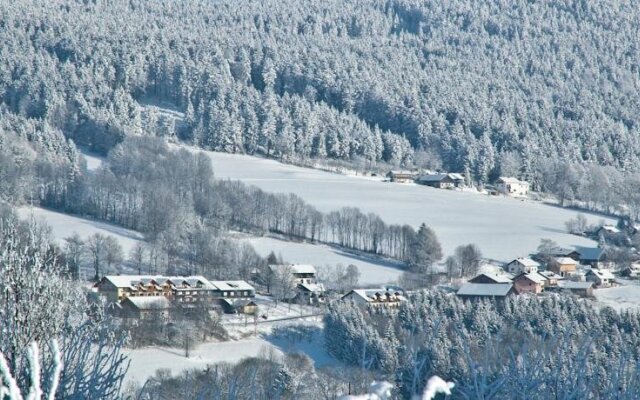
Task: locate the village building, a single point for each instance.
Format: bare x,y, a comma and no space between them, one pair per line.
584,289
492,278
631,271
600,278
607,230
512,186
565,252
308,290
442,180
381,297
185,292
551,277
401,176
563,266
116,288
595,257
140,307
529,283
522,265
486,290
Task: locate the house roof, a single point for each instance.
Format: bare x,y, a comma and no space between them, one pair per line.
485,289
602,274
509,179
610,229
236,303
231,285
312,287
527,262
440,177
591,253
131,281
574,285
533,277
565,260
369,295
149,302
562,251
497,278
550,275
295,268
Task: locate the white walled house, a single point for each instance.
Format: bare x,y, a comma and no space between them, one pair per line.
522,265
512,186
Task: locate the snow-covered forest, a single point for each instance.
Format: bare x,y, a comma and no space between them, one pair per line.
491,88
529,348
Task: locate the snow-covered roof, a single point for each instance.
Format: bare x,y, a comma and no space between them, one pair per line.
235,303
440,176
370,295
231,285
574,285
550,275
509,179
295,268
312,287
150,302
602,274
131,281
533,277
610,228
485,289
527,262
497,278
565,261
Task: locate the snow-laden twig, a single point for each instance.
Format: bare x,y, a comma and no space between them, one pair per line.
436,385
35,390
13,391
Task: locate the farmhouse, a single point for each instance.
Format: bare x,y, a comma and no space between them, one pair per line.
442,180
584,289
304,276
375,297
486,290
595,257
145,307
607,230
522,265
563,266
401,176
551,277
492,278
512,186
529,283
600,278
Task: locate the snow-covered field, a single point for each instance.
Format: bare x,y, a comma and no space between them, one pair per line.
145,361
94,161
504,228
373,271
64,225
623,297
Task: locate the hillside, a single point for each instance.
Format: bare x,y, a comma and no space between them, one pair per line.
516,88
503,228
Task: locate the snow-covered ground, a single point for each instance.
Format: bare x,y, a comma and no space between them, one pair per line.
623,297
373,271
145,361
504,228
94,161
64,225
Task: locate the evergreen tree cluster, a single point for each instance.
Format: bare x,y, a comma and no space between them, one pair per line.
524,347
485,87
